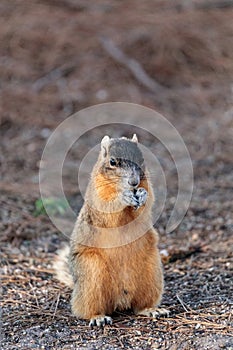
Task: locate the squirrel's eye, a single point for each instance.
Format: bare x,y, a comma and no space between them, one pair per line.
112,162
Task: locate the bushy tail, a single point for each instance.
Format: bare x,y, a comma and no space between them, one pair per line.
61,267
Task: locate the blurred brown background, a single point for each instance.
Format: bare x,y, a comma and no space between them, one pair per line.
60,56
55,60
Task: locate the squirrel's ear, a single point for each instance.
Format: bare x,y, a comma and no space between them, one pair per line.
134,138
104,145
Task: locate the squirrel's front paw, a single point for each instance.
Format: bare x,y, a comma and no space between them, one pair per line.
135,198
129,198
141,196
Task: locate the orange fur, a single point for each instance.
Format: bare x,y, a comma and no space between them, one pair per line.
144,184
119,278
123,277
106,190
114,258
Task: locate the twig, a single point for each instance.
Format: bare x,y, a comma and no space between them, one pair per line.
201,5
68,5
182,303
58,298
32,288
134,66
214,4
53,75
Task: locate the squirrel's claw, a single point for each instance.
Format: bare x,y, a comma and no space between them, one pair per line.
100,321
154,312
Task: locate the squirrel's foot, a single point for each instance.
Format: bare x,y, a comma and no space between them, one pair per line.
154,312
100,321
135,198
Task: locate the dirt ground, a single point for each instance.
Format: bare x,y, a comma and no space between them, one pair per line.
55,60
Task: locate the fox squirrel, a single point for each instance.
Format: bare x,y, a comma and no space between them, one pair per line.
113,261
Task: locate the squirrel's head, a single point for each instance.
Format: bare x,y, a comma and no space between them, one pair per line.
122,161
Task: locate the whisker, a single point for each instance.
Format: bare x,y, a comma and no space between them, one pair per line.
106,183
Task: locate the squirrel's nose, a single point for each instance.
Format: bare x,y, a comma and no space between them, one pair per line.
133,181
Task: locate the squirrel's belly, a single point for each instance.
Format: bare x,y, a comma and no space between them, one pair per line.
124,301
125,274
125,291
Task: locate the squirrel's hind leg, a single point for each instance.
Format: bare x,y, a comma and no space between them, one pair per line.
93,295
91,305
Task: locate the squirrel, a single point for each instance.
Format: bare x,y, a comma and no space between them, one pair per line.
113,262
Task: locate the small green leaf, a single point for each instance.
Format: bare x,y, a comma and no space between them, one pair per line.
51,206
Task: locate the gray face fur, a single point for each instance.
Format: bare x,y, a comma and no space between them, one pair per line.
122,158
125,150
